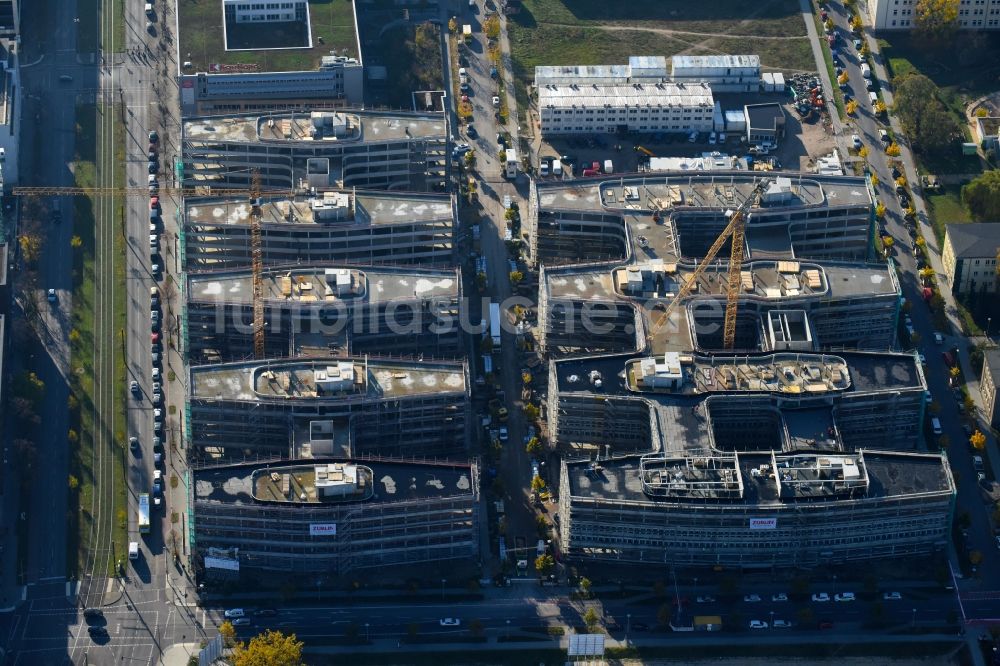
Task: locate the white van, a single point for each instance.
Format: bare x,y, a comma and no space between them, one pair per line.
872,97
133,550
149,9
557,168
936,425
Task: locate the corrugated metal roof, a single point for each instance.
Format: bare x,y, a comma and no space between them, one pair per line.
599,96
714,61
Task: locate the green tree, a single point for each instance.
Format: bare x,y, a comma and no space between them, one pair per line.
936,20
452,25
75,242
74,482
516,277
852,107
591,618
531,412
544,564
926,120
585,586
271,648
978,441
982,196
892,150
537,484
534,446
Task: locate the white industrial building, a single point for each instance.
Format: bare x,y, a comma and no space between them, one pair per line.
901,14
724,73
242,11
635,107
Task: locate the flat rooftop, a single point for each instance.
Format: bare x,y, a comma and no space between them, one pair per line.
363,208
331,285
721,190
762,280
201,40
642,95
319,380
347,127
759,479
866,372
388,482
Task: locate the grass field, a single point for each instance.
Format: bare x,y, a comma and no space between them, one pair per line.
593,32
201,40
963,73
946,207
79,531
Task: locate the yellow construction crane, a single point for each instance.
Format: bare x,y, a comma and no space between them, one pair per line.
736,231
645,151
257,266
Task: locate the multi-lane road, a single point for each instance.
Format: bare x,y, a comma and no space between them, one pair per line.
151,606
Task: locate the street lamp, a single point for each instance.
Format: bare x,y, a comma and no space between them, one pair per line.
913,622
508,630
772,620
628,626
366,632
834,584
988,320
442,589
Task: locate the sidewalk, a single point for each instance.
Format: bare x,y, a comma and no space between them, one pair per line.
824,74
179,654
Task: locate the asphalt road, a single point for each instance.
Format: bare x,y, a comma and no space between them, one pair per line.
148,609
515,467
970,499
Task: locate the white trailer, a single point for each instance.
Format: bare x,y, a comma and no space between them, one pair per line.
495,323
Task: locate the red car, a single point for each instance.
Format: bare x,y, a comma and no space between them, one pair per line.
154,203
155,337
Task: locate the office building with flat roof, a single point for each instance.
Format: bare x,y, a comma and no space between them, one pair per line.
319,149
902,14
361,228
755,510
300,408
334,517
318,310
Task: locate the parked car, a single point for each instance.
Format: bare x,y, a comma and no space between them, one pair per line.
820,596
450,622
844,596
892,596
751,598
782,624
781,596
705,600
758,624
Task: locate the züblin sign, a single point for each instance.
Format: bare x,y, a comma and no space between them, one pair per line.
763,523
322,529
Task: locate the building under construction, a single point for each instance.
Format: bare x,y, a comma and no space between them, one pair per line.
316,310
661,347
334,517
764,509
298,151
356,227
304,408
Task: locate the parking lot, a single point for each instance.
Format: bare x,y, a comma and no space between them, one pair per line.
803,143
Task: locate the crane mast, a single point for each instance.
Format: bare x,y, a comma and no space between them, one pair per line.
736,230
257,266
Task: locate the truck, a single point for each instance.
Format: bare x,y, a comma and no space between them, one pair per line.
133,550
608,167
495,323
143,513
510,170
866,71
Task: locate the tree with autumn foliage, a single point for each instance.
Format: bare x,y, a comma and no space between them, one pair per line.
271,648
